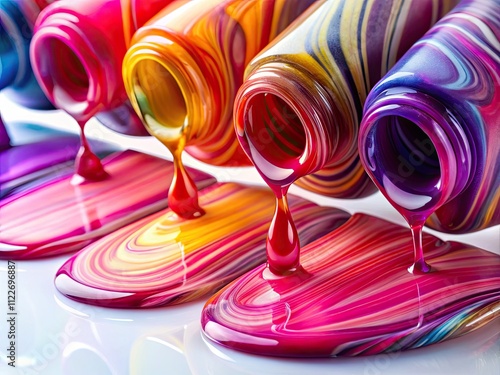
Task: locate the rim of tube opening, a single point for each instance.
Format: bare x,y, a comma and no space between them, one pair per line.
94,95
249,92
431,125
164,127
287,87
171,52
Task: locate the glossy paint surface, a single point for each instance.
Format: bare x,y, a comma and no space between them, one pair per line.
88,166
104,341
26,162
77,51
61,216
355,296
36,153
164,259
216,39
358,290
311,84
78,48
195,55
449,84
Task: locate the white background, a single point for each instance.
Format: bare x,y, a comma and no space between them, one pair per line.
60,336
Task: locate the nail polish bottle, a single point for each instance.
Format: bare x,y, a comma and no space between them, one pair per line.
311,84
185,66
182,73
430,136
354,292
297,115
17,18
77,52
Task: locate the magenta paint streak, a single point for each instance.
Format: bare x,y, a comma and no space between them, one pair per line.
297,115
58,216
355,296
163,259
352,293
76,52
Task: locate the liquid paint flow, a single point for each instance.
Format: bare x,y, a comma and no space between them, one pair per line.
195,55
76,53
366,292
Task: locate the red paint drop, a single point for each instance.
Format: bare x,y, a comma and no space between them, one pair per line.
283,246
87,164
183,194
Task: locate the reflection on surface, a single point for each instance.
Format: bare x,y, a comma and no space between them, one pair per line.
161,351
33,153
165,259
57,336
59,217
476,353
79,358
356,296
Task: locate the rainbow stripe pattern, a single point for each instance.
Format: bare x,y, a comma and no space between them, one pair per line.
355,296
164,259
457,65
334,55
58,216
195,53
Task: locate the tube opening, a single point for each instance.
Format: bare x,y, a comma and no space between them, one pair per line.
275,130
160,99
405,162
63,72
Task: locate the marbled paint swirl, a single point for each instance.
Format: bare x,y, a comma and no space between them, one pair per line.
58,216
299,110
354,292
36,154
164,259
355,296
25,163
318,74
196,55
452,78
76,52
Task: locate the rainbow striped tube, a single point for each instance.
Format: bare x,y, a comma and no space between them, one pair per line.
298,112
77,51
164,259
184,68
17,19
431,129
356,296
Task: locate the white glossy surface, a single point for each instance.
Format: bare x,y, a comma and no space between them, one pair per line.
58,336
